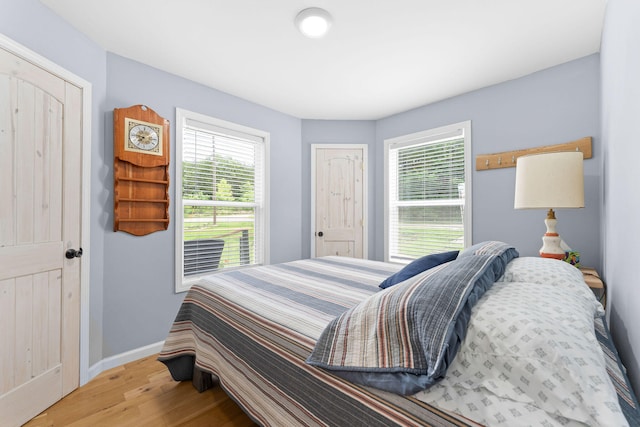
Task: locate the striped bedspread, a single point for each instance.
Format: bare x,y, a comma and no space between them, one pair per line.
628,401
253,329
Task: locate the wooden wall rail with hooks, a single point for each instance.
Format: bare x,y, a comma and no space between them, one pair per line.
507,159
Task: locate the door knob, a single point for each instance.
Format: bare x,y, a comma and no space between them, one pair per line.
320,234
72,253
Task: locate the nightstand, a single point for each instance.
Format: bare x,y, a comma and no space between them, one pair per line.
597,285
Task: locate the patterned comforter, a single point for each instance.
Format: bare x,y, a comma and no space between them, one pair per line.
253,330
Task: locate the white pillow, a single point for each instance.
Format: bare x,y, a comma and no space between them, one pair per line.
552,272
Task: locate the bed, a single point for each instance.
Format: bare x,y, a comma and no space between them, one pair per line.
317,342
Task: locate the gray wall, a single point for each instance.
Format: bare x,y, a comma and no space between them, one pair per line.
553,106
139,299
621,151
131,296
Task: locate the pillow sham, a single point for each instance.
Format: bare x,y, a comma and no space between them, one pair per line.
402,339
418,266
503,250
552,272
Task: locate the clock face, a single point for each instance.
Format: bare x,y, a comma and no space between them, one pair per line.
143,137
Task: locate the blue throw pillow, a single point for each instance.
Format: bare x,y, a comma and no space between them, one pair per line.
418,266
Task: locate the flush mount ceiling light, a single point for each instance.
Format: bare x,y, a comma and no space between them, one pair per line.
313,22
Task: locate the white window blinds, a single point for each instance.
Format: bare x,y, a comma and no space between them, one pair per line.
425,195
223,193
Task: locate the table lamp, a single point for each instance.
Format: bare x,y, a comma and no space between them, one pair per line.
550,181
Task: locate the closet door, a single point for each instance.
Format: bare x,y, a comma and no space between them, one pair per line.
40,207
339,201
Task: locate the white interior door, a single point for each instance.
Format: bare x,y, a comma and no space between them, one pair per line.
339,190
40,219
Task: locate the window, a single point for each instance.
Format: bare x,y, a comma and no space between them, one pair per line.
427,192
221,214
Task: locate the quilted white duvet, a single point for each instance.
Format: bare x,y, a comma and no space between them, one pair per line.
530,356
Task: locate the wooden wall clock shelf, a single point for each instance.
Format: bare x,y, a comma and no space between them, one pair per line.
140,170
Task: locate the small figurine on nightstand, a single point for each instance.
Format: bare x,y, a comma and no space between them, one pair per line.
573,258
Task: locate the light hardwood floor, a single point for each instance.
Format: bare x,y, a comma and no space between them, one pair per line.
142,393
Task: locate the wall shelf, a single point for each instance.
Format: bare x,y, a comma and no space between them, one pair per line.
145,200
140,175
152,181
166,221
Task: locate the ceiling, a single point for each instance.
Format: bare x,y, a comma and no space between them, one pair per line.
380,57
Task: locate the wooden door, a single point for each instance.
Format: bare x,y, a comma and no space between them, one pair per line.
339,201
40,207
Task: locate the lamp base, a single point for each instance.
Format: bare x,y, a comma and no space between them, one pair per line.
554,256
551,241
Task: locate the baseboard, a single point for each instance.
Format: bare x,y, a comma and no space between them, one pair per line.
122,358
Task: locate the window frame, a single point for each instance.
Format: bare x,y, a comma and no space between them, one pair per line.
456,130
183,117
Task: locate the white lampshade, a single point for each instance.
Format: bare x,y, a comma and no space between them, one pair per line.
549,181
313,22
